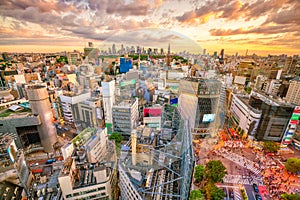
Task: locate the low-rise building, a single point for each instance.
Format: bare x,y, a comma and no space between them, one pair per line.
90,172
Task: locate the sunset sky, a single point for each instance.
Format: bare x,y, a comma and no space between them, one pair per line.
262,27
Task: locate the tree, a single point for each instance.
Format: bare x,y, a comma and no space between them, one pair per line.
196,195
290,196
212,192
214,171
293,165
271,146
248,89
199,173
117,137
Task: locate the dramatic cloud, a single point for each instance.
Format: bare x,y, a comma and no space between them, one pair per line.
135,8
218,9
257,30
119,21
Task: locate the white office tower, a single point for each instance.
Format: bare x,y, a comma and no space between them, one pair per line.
108,92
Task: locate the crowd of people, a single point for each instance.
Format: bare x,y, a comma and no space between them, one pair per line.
279,181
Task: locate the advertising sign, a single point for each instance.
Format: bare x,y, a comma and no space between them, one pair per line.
291,128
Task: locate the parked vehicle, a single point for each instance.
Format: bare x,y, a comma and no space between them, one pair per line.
255,187
258,197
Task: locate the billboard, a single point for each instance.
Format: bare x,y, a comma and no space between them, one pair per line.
291,128
208,118
125,83
152,112
12,151
174,102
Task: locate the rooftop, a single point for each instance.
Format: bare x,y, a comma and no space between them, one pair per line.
7,112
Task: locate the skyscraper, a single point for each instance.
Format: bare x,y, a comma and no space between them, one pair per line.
114,51
39,102
199,103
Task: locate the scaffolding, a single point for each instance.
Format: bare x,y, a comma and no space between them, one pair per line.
169,174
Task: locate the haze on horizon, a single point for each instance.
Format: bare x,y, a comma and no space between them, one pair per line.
261,26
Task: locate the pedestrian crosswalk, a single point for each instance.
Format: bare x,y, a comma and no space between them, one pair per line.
237,194
240,179
240,160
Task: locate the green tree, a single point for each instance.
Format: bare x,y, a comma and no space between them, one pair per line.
196,195
212,192
117,137
199,173
293,165
271,146
62,59
248,89
214,171
290,196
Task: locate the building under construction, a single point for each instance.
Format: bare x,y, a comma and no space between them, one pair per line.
158,164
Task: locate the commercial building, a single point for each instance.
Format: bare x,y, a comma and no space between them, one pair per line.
155,166
291,128
89,113
243,115
199,103
125,116
68,100
91,174
14,173
125,64
108,94
274,119
21,126
293,93
152,116
74,58
40,105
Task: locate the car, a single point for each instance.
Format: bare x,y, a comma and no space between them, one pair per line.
258,197
231,193
255,187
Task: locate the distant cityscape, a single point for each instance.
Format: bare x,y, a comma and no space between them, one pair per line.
135,123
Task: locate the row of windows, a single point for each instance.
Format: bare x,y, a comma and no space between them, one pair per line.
86,192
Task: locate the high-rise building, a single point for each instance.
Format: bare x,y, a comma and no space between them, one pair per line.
108,93
113,49
274,119
199,103
125,117
39,102
243,115
293,93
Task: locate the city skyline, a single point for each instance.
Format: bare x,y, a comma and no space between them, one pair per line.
261,27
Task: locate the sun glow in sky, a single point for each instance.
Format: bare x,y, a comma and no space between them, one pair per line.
261,26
